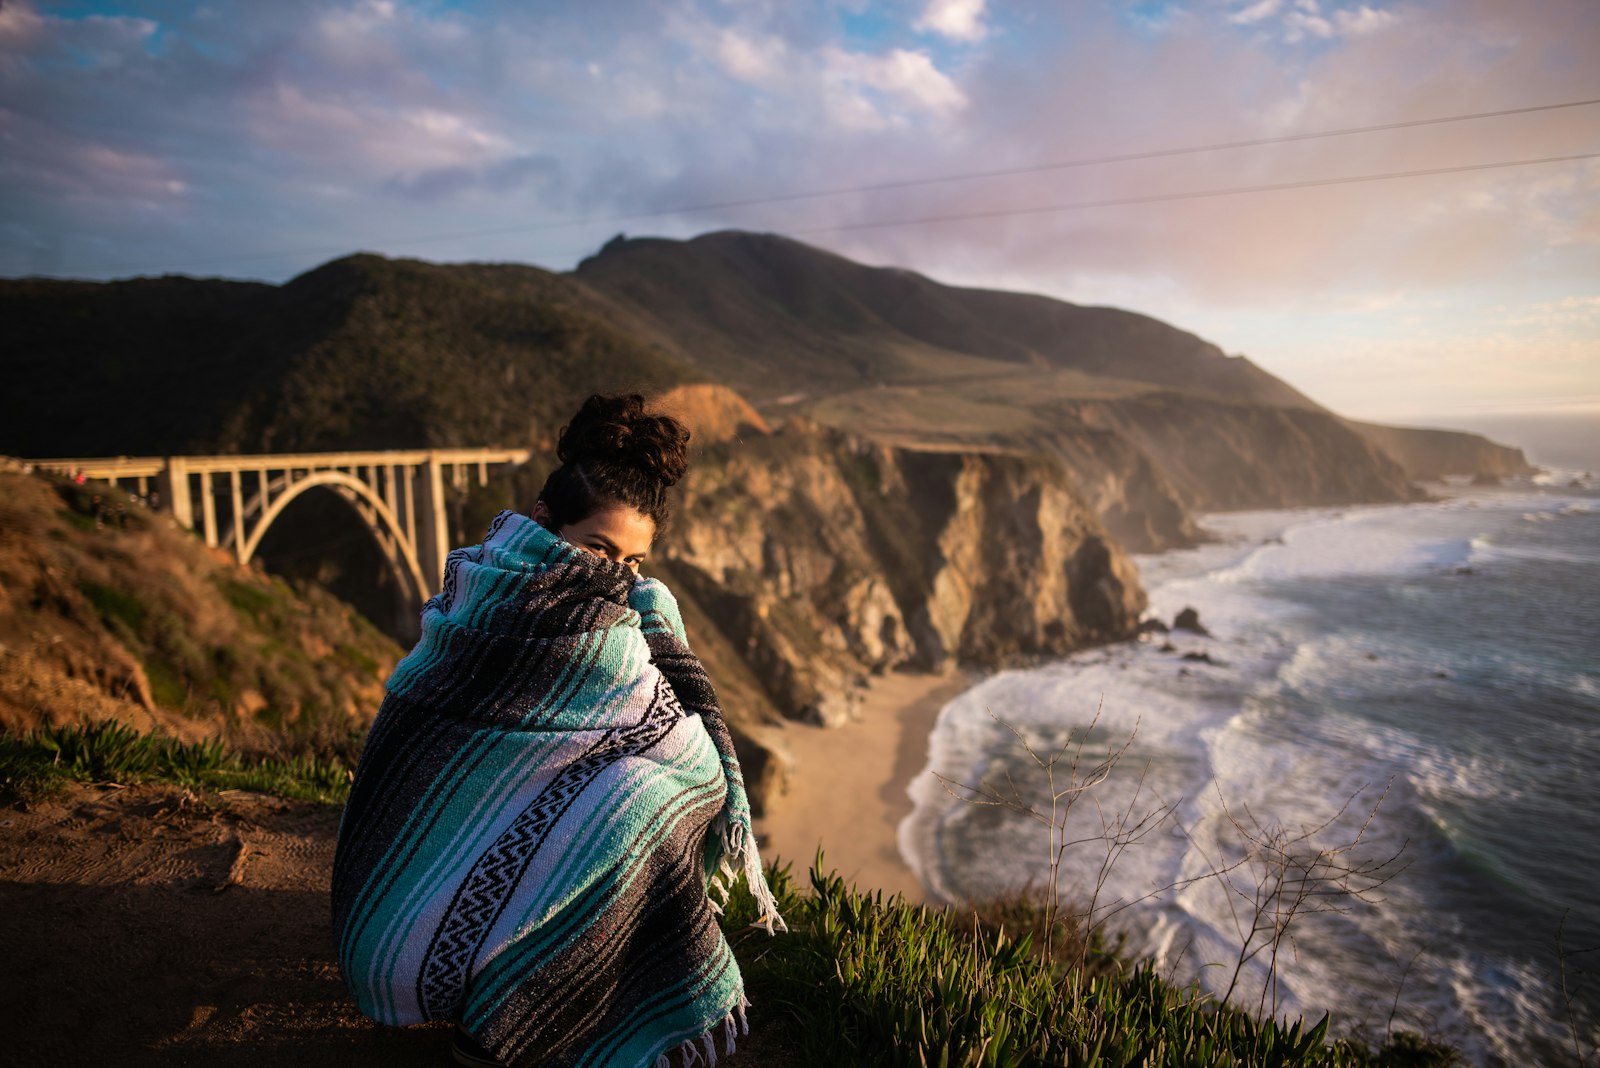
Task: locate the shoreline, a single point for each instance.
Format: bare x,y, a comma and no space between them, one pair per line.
848,791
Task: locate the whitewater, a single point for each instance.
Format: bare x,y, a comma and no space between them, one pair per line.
1420,680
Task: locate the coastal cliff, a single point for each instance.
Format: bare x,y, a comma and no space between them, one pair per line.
1429,455
830,556
1227,457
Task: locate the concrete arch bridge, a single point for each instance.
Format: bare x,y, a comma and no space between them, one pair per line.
232,501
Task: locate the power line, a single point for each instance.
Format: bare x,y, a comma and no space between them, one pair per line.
904,183
1005,172
1158,198
1129,157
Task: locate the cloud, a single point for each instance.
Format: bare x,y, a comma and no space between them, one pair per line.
1262,9
19,23
375,137
1552,315
751,59
1363,19
907,77
504,175
1298,25
1305,19
89,175
959,20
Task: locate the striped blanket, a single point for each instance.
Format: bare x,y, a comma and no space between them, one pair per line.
545,804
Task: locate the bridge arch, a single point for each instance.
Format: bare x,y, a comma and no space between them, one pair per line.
231,501
381,521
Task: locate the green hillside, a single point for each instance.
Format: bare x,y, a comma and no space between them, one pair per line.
109,612
362,352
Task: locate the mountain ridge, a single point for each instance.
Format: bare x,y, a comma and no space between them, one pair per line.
176,363
853,299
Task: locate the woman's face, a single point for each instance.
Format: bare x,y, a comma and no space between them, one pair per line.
620,534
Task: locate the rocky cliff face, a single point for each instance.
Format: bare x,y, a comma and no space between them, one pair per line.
1129,491
1144,464
820,558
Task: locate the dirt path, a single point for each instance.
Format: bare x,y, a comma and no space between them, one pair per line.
149,926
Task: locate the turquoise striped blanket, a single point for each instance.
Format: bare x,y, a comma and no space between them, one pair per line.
544,811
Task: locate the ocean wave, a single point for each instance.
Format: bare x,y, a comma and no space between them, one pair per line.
1565,478
1373,541
1293,715
1486,551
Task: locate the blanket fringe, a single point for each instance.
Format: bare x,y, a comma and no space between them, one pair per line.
756,879
739,847
693,1053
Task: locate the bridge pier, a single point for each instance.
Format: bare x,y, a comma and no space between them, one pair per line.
174,483
433,541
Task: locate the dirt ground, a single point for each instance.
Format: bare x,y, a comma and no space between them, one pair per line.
148,925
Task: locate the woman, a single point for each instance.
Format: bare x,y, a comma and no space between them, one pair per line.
549,788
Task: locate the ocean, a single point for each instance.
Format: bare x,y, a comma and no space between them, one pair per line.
1411,691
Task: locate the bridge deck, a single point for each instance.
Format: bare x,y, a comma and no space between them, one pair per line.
149,466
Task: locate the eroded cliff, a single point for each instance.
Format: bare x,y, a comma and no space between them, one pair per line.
821,557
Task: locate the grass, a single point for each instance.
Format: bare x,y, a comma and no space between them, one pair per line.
247,599
864,980
167,685
35,764
116,606
356,660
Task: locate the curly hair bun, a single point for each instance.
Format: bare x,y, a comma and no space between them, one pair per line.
619,431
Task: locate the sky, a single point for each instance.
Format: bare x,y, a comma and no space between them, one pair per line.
258,140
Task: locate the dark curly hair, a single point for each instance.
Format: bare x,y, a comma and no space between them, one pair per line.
616,452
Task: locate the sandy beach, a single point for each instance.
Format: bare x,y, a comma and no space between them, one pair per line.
848,791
